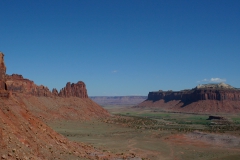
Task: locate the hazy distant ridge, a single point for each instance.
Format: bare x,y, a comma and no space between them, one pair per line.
118,100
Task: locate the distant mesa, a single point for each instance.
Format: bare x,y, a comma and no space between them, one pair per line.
219,91
118,100
206,98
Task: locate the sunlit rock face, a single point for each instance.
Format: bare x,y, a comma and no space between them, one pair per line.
3,86
17,84
74,90
218,92
208,98
2,73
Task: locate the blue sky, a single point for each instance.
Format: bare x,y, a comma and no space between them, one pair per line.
122,47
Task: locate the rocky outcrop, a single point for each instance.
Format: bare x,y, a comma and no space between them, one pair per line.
205,98
74,90
2,73
197,94
3,86
55,92
17,84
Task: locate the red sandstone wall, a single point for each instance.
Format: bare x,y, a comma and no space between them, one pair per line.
16,83
196,95
74,90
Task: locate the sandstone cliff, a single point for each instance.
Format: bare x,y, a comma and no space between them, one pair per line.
3,86
71,103
17,84
74,90
206,98
193,95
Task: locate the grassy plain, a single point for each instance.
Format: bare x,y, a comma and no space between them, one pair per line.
158,135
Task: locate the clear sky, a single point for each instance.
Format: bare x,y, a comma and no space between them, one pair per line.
122,47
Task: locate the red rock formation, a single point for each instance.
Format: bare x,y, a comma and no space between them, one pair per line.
54,92
56,104
17,84
3,86
74,90
200,99
196,95
2,72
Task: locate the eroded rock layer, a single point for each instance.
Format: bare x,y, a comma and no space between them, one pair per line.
17,84
74,90
3,86
196,95
205,99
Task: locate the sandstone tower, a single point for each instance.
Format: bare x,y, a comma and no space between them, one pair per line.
3,86
2,73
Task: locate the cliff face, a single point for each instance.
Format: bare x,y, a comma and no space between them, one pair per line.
196,95
71,102
3,86
202,99
17,84
74,90
2,73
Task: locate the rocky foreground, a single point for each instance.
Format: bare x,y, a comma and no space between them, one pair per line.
209,98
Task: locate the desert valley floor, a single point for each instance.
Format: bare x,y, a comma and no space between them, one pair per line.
156,135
